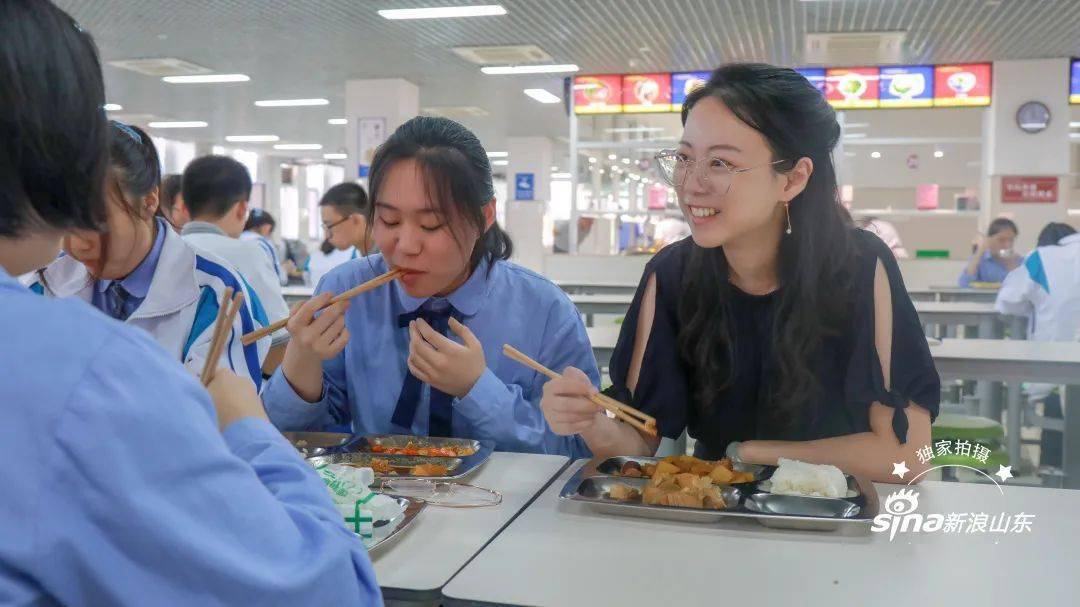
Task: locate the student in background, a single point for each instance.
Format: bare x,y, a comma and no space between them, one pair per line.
343,208
125,482
1046,289
172,201
216,191
141,272
260,225
994,256
425,353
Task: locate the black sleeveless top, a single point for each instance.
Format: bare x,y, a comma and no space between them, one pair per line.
847,366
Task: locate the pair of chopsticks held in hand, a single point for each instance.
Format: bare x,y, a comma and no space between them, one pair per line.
223,324
250,338
625,413
642,421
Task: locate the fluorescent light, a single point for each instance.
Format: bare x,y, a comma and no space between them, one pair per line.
500,163
206,78
592,160
113,107
444,12
554,168
189,124
298,146
291,102
251,138
875,155
498,154
338,121
542,95
560,175
611,156
856,125
939,154
335,156
501,70
855,136
626,161
1072,125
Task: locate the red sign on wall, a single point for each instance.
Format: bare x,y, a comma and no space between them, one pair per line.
1029,189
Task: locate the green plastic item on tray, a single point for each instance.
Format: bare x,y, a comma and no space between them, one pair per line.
931,254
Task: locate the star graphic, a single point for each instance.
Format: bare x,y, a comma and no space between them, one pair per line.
900,469
1004,472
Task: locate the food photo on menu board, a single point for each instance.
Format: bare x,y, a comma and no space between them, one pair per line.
816,76
682,84
851,88
1074,82
906,86
646,93
598,94
962,85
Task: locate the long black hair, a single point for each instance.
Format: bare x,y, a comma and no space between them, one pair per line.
816,260
134,172
52,126
457,175
258,218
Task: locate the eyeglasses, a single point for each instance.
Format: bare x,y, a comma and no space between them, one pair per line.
330,226
675,167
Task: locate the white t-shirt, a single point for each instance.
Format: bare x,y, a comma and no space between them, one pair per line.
319,263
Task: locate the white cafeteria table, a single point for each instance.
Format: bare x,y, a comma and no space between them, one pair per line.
565,554
413,569
971,295
295,293
1016,361
598,287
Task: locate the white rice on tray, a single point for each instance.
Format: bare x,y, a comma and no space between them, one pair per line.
793,477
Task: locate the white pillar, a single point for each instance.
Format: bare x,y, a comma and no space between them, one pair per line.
1011,151
529,156
380,106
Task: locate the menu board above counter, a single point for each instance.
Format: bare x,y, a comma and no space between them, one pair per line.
646,93
869,87
906,86
598,94
682,83
962,85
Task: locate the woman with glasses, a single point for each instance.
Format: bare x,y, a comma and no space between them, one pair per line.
343,209
778,329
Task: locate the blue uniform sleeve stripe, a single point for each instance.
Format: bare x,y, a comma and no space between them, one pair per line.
205,315
38,288
251,352
1036,270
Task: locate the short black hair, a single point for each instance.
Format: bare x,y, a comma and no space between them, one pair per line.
1053,233
215,184
1001,224
53,129
170,187
347,198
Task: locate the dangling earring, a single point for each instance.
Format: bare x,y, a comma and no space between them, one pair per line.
787,211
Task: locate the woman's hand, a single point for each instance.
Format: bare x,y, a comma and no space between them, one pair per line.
314,339
566,403
234,398
442,363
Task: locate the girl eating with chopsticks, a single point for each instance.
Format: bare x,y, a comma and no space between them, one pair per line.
142,273
778,329
423,354
125,481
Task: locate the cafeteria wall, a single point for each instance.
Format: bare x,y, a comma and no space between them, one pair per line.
1007,150
525,218
393,100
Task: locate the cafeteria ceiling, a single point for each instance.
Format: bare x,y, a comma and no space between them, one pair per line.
307,49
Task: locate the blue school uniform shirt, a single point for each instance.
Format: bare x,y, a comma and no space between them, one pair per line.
120,489
120,303
988,270
509,305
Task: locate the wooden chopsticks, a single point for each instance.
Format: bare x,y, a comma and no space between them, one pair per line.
223,324
250,338
644,422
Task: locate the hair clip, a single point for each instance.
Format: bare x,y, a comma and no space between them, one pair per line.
130,132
